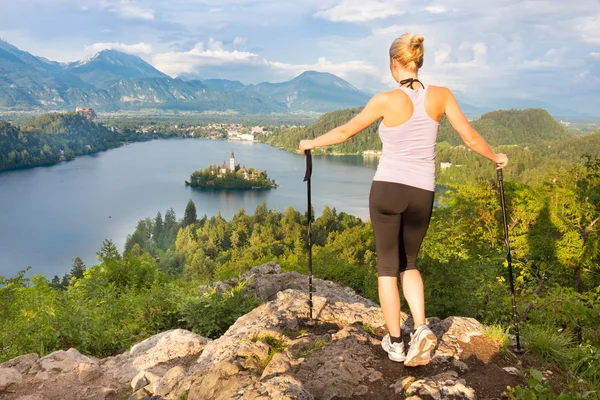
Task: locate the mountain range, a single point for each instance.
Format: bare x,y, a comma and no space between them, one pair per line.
113,81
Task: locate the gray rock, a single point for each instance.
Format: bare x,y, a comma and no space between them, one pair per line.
9,377
22,363
461,366
441,386
280,364
64,361
257,349
512,371
169,381
139,395
88,372
139,381
165,347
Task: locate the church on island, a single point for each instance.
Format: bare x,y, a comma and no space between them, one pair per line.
232,168
231,176
223,170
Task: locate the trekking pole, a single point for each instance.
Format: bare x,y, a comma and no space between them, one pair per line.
307,180
518,349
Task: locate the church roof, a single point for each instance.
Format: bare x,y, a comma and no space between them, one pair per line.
223,166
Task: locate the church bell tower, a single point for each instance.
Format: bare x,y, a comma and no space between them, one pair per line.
232,162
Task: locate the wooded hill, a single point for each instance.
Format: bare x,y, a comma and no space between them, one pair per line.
51,138
534,141
501,127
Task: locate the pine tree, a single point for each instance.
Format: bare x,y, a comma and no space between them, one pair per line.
157,231
78,268
108,251
66,279
190,217
56,282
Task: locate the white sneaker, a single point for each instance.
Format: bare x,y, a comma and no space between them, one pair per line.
420,346
395,350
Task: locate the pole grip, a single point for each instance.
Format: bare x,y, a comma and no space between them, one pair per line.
308,173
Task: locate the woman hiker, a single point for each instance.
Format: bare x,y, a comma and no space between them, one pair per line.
401,197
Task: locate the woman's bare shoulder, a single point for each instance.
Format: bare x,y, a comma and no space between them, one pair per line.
439,89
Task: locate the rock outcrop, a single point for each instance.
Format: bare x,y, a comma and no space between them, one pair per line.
72,375
273,352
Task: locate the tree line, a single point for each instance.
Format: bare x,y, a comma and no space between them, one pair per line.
501,127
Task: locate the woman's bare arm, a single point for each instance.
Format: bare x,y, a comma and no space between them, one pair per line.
371,113
471,138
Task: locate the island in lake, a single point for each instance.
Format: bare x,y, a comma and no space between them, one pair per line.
232,177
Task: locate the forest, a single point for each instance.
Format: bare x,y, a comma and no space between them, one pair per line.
552,188
501,127
55,137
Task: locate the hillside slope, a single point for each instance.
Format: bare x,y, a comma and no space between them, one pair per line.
273,352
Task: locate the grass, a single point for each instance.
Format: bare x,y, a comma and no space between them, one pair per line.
499,335
276,345
369,329
295,334
549,345
315,346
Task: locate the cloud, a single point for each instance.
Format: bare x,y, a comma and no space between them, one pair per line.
342,69
589,29
137,49
128,9
552,59
205,56
595,55
360,10
436,9
240,41
212,53
477,56
394,30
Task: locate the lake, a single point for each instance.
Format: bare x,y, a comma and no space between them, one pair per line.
50,215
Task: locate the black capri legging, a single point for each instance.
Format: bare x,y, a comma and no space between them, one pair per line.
400,216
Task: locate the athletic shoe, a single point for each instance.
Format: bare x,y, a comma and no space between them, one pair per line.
420,346
395,350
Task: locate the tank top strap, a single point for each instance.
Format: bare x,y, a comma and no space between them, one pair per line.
417,97
420,100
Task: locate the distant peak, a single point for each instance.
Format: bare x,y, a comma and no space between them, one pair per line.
111,55
4,44
314,73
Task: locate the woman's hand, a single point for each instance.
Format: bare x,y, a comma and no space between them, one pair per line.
306,145
501,160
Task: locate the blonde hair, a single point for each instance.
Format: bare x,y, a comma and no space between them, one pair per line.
408,50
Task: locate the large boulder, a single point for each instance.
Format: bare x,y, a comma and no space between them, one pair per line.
72,375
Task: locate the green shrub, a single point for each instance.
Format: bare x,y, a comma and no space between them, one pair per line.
548,344
539,388
587,365
211,314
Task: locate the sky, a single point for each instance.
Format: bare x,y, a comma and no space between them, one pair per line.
485,51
